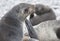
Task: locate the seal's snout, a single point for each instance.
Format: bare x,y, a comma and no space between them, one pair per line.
31,9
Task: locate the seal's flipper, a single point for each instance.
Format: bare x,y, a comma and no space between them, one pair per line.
31,30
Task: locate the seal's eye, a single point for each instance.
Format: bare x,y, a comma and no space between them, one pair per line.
26,10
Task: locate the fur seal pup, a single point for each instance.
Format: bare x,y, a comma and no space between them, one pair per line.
44,13
11,22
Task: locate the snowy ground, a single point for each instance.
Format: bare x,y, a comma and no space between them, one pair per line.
6,5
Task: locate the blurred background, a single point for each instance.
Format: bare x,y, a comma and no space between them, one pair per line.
6,5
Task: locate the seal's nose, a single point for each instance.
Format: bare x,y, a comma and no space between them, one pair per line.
32,9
